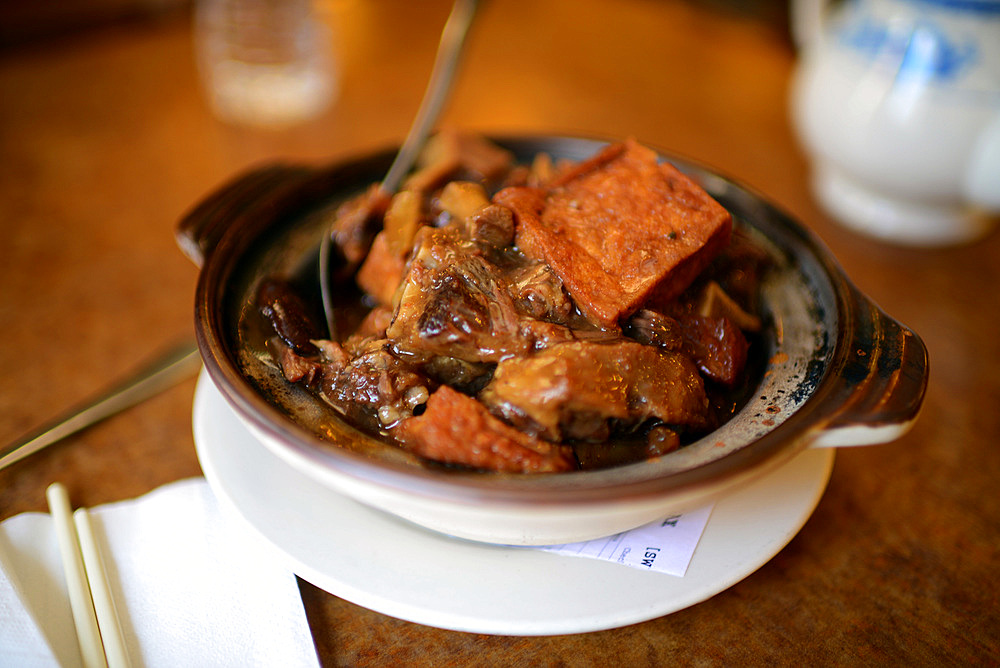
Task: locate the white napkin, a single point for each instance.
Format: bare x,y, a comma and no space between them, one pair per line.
193,588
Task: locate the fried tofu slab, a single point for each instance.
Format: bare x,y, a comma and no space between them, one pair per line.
619,229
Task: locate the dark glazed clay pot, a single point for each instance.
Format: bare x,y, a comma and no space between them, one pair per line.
836,370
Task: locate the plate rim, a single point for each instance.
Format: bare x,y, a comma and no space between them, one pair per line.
666,594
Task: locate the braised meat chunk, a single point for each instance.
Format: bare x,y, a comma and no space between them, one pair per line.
453,303
452,152
356,222
371,385
619,229
576,390
288,315
716,344
538,291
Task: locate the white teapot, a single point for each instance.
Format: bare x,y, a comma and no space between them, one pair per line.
898,104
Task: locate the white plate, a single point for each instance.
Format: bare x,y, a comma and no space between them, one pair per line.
380,562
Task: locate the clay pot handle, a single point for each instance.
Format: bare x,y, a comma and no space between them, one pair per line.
200,230
881,373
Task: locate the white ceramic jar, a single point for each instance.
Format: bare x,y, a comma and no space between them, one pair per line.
898,104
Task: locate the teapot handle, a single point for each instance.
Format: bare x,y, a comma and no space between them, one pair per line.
806,20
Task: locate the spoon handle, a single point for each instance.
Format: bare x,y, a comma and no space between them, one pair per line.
445,63
438,87
175,365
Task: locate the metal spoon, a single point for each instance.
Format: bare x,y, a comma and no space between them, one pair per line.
178,363
445,64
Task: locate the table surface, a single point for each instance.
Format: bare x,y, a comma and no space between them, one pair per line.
106,140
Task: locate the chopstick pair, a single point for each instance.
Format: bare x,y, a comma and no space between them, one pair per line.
94,615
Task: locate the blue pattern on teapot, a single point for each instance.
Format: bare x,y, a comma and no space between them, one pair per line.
922,50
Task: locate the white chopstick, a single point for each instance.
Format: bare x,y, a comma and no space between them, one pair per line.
84,616
94,613
100,591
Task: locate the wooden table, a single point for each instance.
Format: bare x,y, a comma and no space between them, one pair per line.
105,141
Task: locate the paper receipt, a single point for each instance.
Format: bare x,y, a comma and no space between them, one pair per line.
664,546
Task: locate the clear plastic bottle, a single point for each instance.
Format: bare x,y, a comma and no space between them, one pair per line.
266,63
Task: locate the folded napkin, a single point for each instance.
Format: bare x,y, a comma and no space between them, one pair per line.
193,587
